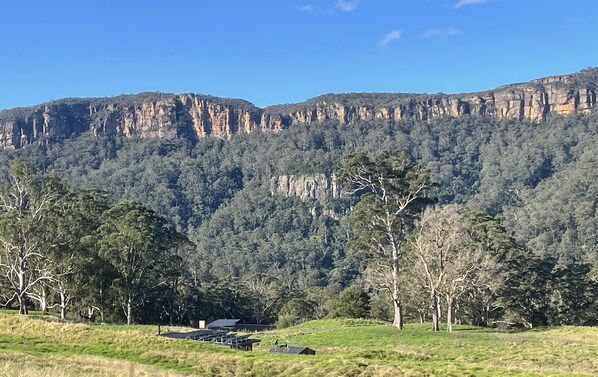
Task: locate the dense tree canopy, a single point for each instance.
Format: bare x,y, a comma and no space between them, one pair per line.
534,181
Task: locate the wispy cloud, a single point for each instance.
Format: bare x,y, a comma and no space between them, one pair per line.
308,8
392,36
462,3
347,5
431,33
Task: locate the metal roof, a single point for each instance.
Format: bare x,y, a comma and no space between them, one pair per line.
284,348
223,323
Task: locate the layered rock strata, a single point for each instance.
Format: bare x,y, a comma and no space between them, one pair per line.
158,115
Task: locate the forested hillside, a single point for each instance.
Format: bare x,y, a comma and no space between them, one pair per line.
541,176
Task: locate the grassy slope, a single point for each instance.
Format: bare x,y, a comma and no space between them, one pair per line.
345,348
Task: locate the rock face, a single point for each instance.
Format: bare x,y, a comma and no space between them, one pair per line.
532,100
320,187
150,115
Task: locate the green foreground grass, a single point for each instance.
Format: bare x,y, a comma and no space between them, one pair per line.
33,347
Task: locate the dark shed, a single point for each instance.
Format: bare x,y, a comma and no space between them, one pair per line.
233,324
294,350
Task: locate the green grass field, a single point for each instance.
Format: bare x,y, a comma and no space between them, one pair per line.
34,347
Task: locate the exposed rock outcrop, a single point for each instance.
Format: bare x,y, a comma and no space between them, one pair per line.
150,115
320,187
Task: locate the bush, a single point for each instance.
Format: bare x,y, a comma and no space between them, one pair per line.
286,320
351,303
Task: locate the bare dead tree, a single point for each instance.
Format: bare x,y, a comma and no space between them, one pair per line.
450,261
24,205
438,234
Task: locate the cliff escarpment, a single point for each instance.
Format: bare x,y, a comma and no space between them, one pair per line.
533,100
147,115
159,115
320,187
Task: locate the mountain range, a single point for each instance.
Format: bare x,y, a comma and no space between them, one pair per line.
193,116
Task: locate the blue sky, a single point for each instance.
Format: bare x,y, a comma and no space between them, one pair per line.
281,51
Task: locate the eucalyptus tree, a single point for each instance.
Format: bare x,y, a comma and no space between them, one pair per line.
140,247
392,191
58,249
76,218
439,235
25,204
450,260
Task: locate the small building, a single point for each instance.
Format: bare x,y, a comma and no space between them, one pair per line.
292,350
223,324
233,324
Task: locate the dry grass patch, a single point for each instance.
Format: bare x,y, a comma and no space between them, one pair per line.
23,365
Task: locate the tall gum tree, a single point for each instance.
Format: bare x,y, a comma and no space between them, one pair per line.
392,191
140,247
25,203
77,217
449,260
438,234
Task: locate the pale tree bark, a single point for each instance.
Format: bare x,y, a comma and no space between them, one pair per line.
470,268
63,267
64,299
24,205
396,294
129,310
18,264
438,233
40,293
449,314
449,260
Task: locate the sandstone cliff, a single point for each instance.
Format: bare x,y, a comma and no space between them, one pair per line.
532,100
320,187
195,116
145,115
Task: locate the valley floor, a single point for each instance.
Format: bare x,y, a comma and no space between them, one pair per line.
32,347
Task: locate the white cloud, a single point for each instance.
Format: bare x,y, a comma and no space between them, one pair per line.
347,5
306,8
462,3
431,33
393,35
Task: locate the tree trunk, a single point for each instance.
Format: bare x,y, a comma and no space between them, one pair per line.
129,310
398,317
435,312
63,305
22,297
396,289
23,305
43,302
90,314
449,314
